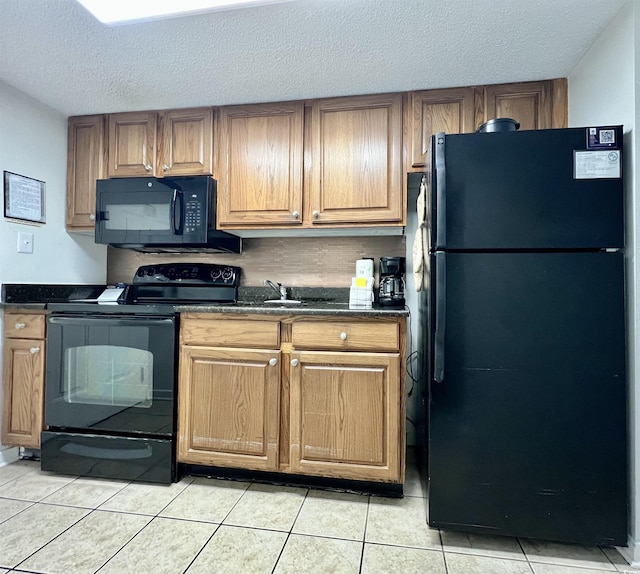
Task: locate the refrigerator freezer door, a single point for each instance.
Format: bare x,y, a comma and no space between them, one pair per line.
516,190
527,430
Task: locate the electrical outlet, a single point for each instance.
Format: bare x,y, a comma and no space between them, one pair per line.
25,242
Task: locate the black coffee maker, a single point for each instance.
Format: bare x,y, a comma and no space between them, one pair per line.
391,292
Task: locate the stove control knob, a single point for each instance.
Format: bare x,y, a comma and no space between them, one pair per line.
215,273
150,272
227,274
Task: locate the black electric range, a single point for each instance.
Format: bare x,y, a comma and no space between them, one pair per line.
155,288
111,374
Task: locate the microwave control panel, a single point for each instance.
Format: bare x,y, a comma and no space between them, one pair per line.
194,212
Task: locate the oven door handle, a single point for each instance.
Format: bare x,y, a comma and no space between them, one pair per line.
117,319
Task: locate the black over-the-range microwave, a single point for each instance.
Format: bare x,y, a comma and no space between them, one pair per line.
170,214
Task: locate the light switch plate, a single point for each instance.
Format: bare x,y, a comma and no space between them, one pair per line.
25,242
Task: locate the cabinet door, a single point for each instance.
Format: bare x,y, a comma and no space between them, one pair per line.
259,164
187,142
529,103
346,415
23,387
228,407
356,172
434,111
86,162
132,144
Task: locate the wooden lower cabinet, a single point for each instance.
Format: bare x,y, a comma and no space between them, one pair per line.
322,397
228,407
345,415
23,379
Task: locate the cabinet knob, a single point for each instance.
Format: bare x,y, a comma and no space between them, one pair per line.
343,336
34,350
92,216
147,167
316,214
273,362
295,362
165,167
20,325
296,215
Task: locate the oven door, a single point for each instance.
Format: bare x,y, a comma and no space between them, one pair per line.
111,374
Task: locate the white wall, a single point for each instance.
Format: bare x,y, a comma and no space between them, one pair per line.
33,143
604,88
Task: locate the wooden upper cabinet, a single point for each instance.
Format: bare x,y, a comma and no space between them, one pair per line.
173,142
356,173
433,111
132,144
529,103
86,163
259,164
186,142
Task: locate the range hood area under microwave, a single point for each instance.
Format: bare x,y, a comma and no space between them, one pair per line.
161,215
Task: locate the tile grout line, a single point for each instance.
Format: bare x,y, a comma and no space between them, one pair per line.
275,565
364,533
217,527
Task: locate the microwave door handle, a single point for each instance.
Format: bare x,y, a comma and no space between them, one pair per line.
176,222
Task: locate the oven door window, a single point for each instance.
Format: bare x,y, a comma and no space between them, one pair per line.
111,373
108,375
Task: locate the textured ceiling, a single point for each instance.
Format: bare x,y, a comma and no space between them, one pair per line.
56,52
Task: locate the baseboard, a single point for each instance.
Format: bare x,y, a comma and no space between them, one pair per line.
8,455
631,552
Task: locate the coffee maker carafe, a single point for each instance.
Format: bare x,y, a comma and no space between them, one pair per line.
391,292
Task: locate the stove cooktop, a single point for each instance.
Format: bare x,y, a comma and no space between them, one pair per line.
156,288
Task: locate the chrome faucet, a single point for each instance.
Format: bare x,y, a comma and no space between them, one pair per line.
281,290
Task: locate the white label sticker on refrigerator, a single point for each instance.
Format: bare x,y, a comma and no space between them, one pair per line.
596,164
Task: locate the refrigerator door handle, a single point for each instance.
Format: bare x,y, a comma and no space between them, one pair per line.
441,300
441,183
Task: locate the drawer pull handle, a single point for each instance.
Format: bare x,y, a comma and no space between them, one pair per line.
20,325
296,214
295,362
343,336
34,350
273,362
92,217
148,167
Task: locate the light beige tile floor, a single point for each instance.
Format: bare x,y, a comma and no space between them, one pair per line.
51,524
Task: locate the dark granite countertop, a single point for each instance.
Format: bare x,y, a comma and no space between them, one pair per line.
315,301
306,308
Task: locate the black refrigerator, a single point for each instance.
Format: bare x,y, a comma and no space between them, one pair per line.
526,403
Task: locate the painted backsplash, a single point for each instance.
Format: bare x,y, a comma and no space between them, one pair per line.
292,261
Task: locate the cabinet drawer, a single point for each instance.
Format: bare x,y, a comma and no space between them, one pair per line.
346,335
24,326
231,333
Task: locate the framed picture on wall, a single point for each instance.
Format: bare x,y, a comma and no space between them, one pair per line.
23,198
